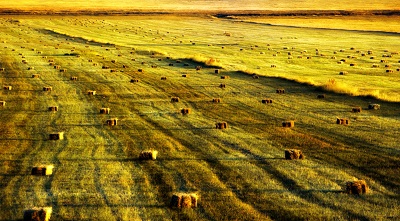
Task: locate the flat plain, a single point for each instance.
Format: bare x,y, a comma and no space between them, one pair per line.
239,173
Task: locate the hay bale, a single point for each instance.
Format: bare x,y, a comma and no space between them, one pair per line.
105,67
163,78
174,99
375,66
7,87
47,88
352,64
105,110
2,69
222,86
216,100
140,70
280,91
91,92
184,200
148,155
2,103
321,96
356,187
134,80
90,60
35,76
342,121
389,71
273,66
57,66
221,125
217,71
374,106
288,123
56,136
343,73
224,77
112,122
266,101
198,68
38,214
170,64
31,68
74,78
185,75
294,154
42,170
113,70
53,108
185,111
356,109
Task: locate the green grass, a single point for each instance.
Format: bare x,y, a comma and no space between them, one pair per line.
239,173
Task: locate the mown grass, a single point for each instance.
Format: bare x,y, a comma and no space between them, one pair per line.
239,173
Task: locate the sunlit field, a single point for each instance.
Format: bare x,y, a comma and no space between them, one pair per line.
136,64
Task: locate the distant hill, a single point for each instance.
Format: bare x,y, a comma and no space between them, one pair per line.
169,5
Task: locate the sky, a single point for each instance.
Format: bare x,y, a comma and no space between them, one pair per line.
202,4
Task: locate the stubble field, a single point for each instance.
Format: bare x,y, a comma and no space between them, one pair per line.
239,173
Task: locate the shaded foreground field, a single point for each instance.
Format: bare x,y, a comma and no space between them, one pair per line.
239,173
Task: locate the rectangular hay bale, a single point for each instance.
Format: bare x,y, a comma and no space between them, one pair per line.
56,136
148,155
288,123
294,154
38,214
356,187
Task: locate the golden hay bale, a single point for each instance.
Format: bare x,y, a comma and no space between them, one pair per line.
31,68
63,70
185,75
105,67
47,88
35,76
112,121
170,64
216,100
280,91
356,109
113,61
374,106
288,123
134,80
343,72
91,92
175,99
163,78
2,103
148,155
217,71
352,64
321,96
342,121
113,70
105,110
222,86
184,200
140,70
375,66
57,66
38,214
42,170
224,77
389,71
185,111
125,66
273,66
221,125
294,154
74,78
53,108
357,187
90,60
56,136
2,69
7,87
266,101
384,61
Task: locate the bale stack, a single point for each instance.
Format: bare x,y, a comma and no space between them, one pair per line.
356,109
105,110
175,99
374,106
280,91
38,214
342,121
42,170
91,92
148,155
184,200
266,101
288,123
56,136
357,187
216,100
294,154
53,108
185,111
112,122
221,125
47,88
